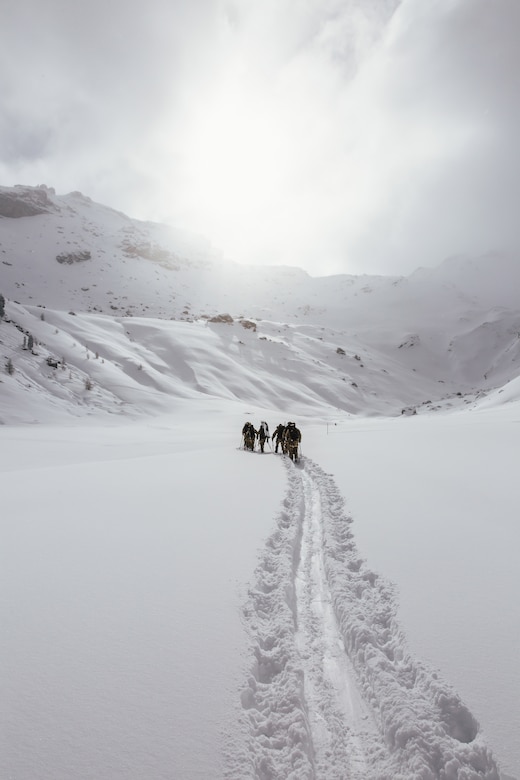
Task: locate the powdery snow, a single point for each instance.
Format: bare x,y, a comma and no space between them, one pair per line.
177,607
130,557
435,503
122,575
334,690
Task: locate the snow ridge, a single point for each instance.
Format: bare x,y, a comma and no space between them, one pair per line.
279,738
429,731
333,692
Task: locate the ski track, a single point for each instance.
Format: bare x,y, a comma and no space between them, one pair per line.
333,692
335,706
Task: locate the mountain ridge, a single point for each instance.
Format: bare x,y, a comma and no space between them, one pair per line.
342,344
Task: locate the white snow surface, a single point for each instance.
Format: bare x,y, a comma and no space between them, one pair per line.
176,607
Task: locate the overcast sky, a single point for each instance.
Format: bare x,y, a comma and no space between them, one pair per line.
352,136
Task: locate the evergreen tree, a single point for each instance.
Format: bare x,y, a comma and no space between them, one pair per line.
2,306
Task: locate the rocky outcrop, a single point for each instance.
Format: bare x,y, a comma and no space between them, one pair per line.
21,201
248,325
222,318
73,257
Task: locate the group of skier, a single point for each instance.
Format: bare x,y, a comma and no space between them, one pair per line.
286,436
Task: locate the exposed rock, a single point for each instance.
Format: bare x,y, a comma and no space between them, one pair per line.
74,257
79,195
153,252
222,318
24,202
412,341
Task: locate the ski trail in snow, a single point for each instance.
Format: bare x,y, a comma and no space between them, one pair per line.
333,692
337,712
277,742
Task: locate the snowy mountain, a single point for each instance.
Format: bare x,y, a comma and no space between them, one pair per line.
176,607
88,284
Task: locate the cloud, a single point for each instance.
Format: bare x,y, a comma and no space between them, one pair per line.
443,155
338,136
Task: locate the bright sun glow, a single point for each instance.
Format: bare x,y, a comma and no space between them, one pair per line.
233,160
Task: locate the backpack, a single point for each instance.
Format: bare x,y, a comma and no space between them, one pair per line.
292,433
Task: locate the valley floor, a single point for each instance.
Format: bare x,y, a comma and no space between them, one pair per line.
176,607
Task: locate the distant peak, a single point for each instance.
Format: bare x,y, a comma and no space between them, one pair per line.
79,195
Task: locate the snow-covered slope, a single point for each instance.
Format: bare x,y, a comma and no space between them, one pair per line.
125,308
89,363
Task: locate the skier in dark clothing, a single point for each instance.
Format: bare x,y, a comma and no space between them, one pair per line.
278,437
292,439
263,434
249,435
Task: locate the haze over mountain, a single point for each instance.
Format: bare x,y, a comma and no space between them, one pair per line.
88,283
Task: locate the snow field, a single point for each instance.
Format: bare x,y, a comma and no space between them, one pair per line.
434,502
429,732
128,549
275,720
314,711
130,556
122,571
